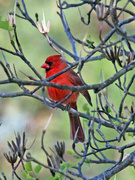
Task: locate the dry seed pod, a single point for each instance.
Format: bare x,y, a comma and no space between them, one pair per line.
101,11
11,157
113,54
130,57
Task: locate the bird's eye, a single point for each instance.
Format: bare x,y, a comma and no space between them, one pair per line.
50,64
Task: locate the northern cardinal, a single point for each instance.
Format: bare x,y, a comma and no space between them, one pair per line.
53,65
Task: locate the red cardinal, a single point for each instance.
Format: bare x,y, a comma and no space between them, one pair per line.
53,65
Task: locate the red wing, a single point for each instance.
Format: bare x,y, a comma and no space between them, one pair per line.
76,81
74,78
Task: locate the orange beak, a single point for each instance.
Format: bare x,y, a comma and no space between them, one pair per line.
45,66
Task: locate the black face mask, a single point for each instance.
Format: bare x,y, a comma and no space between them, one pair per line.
50,64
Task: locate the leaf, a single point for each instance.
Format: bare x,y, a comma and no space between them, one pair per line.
5,25
108,109
77,156
66,165
86,108
70,151
116,122
89,36
28,166
50,178
37,169
27,176
13,37
87,161
130,134
88,41
57,177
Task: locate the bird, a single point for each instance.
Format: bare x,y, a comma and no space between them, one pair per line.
53,65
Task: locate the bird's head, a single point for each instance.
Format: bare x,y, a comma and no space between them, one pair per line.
54,62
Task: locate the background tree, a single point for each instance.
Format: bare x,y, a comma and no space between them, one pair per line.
109,125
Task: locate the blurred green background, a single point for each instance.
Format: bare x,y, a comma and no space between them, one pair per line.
27,114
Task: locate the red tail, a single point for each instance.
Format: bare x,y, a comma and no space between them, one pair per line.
74,124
